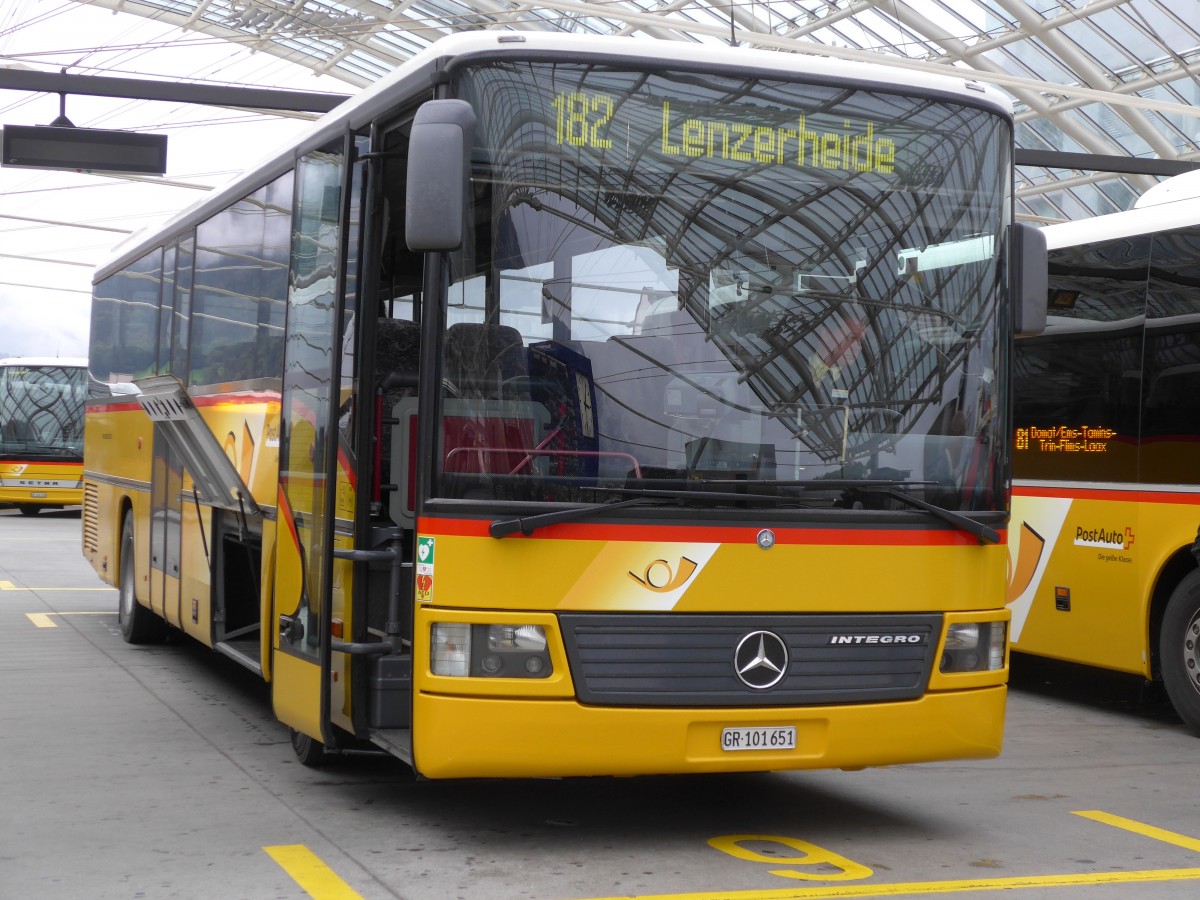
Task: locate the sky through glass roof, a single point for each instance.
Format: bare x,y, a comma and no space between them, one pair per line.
1113,78
1109,77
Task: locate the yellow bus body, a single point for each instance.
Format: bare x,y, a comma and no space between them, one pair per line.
41,483
470,736
479,727
41,412
119,447
474,727
1087,567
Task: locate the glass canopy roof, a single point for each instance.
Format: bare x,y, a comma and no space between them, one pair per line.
1110,78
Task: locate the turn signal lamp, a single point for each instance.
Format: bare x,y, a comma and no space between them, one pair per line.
450,651
974,647
489,651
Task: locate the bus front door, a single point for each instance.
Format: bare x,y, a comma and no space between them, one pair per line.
303,556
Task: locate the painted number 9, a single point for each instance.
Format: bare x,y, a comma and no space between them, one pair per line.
810,862
583,119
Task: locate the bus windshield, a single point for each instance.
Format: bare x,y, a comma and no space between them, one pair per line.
41,411
725,284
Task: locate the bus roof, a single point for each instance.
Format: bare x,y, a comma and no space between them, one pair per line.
1173,203
70,362
382,96
1171,190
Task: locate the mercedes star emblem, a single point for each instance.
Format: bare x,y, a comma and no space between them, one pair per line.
760,660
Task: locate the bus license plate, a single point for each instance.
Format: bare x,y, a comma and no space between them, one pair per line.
779,737
37,494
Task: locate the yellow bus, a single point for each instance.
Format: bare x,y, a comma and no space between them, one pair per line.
565,406
41,432
1106,497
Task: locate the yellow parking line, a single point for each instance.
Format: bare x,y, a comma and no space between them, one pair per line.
321,883
41,540
45,620
318,880
1020,882
834,892
9,586
1158,834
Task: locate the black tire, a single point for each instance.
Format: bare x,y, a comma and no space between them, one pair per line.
28,509
1179,650
138,624
309,751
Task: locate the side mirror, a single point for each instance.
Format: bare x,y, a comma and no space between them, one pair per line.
1028,277
439,170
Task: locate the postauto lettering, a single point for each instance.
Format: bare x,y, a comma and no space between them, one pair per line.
1101,535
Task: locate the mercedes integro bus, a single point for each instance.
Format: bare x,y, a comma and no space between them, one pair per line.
564,406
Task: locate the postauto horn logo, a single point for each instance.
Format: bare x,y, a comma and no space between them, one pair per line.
1118,538
660,576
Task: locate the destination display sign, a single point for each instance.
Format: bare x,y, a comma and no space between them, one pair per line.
590,119
1064,439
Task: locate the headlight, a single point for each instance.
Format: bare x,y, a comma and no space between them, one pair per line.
489,651
516,637
974,647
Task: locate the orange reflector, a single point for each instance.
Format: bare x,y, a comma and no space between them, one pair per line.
335,628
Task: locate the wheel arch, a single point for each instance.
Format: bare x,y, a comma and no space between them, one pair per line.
123,509
1176,568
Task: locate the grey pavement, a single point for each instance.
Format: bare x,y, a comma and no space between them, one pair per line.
159,772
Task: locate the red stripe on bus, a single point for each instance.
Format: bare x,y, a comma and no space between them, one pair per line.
250,398
675,533
285,514
114,406
246,398
40,463
1128,495
347,467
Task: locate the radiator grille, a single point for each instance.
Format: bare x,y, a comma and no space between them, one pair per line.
91,518
688,660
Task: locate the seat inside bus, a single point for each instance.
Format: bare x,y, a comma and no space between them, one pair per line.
397,360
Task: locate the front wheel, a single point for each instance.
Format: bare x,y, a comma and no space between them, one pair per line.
309,751
1179,650
138,624
29,509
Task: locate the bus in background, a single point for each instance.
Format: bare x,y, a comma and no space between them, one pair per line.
1106,497
566,406
41,432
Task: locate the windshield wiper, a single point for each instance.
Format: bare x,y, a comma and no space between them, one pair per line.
982,532
528,524
32,451
641,496
886,486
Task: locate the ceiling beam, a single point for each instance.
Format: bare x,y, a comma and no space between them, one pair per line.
1098,162
169,91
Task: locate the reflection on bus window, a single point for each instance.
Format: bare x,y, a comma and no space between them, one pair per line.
710,320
